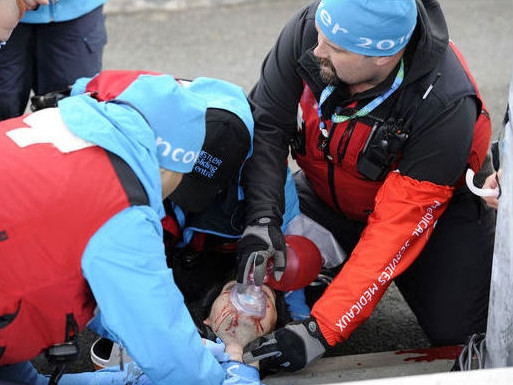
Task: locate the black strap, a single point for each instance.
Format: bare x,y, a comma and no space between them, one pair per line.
331,181
132,185
6,319
62,354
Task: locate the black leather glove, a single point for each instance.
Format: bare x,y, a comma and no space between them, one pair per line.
289,349
261,240
50,99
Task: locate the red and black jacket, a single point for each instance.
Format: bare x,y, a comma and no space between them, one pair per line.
449,132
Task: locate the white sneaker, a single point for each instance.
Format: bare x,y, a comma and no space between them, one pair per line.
105,352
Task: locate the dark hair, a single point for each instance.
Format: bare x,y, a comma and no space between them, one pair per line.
201,275
197,271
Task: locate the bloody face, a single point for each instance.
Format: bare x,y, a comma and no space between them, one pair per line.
234,327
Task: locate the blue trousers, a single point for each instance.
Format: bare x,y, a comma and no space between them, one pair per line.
49,57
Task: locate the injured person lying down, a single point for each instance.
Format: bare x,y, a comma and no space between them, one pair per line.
224,328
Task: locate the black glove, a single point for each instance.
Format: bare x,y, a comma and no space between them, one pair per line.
261,240
290,348
50,99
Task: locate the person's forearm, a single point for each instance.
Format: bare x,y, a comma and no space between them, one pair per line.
235,352
398,229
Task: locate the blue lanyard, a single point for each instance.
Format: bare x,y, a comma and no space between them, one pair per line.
336,118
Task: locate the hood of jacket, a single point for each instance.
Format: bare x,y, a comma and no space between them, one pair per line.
224,95
430,41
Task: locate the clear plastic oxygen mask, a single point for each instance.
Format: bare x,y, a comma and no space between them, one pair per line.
249,298
304,263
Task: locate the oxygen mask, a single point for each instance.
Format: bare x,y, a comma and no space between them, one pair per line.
249,298
304,263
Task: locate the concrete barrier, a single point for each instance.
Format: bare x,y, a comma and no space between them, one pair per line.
503,376
410,367
363,367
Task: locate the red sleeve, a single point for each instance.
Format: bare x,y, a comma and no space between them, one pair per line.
405,213
107,85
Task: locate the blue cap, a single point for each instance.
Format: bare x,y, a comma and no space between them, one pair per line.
176,115
368,27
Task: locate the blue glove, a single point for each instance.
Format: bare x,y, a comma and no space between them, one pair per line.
217,349
111,375
240,374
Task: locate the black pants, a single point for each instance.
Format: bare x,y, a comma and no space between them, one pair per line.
448,286
49,57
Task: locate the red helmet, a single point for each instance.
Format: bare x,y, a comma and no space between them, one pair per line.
304,264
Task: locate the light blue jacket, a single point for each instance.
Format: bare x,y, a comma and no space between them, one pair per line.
25,374
124,261
61,10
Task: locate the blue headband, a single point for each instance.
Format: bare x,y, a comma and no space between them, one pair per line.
368,27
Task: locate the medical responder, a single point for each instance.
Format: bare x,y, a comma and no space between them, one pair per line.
82,186
384,118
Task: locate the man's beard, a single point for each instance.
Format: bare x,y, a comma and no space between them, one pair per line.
328,72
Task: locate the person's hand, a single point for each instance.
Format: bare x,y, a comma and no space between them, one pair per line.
34,4
492,182
261,240
238,373
290,348
217,349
